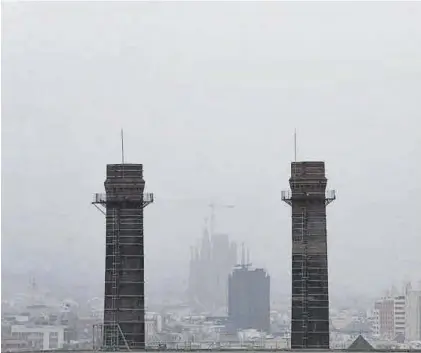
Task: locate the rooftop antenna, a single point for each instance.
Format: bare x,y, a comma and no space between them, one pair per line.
243,256
248,257
295,145
122,147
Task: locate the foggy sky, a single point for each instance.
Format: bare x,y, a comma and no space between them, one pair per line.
209,95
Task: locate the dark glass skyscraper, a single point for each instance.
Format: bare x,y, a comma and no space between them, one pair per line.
249,299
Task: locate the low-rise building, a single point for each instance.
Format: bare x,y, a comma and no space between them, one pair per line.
40,337
153,325
13,345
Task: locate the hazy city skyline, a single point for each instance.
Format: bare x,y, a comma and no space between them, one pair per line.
209,95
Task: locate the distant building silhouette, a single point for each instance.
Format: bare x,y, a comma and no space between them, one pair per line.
210,266
249,299
413,313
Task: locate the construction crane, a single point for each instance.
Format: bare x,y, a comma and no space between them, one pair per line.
213,206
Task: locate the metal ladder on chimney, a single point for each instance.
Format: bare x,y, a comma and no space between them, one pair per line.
304,280
111,330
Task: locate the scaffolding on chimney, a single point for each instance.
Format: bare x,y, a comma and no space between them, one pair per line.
308,199
123,203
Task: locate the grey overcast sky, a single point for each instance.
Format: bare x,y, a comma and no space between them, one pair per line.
209,94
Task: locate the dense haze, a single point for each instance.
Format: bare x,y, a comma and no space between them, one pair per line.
209,95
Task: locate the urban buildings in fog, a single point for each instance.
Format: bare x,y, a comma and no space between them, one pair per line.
249,298
397,315
389,317
210,266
